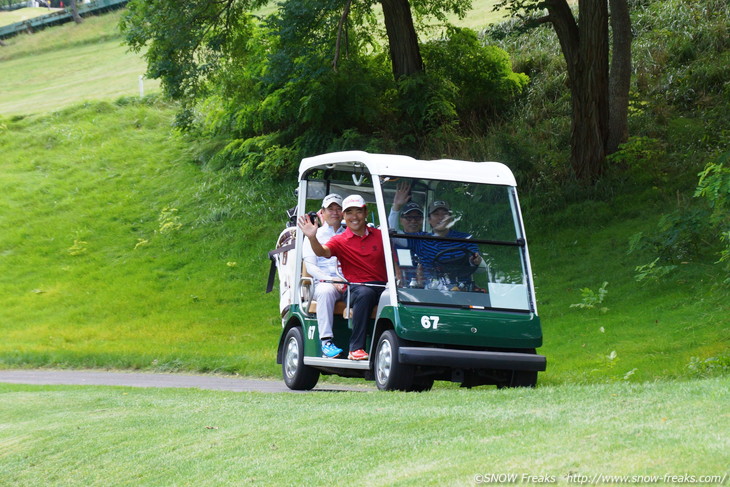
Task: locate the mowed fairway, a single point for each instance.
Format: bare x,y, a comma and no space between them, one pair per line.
100,436
46,82
77,436
69,64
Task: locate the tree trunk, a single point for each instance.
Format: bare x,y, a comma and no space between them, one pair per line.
585,48
75,12
620,76
402,39
340,31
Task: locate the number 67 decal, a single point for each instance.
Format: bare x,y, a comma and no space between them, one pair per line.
430,322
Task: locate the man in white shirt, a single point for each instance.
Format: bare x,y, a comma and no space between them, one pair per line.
326,294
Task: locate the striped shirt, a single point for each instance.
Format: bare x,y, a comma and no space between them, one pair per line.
425,251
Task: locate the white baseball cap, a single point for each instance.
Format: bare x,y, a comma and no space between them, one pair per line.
353,201
331,198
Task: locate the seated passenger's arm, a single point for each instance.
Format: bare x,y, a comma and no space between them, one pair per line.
476,257
393,223
311,264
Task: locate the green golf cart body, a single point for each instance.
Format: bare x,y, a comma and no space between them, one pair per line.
440,317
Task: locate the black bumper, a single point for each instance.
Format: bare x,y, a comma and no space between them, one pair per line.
470,359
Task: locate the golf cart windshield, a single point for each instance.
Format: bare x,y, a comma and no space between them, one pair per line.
460,244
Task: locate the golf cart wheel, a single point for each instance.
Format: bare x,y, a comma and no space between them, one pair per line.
390,374
297,376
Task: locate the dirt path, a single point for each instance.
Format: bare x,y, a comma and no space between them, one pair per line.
143,379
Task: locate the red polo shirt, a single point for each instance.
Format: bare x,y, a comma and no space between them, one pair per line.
362,258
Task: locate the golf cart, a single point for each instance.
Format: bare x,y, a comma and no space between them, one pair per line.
463,311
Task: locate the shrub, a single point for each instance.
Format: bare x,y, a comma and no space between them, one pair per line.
680,235
482,74
714,186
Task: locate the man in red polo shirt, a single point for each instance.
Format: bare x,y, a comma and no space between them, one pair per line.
362,258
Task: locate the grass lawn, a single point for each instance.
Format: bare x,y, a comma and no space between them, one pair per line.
69,64
52,80
118,251
21,14
90,436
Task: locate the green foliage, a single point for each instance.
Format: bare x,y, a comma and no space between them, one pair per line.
186,42
684,234
669,90
714,186
534,139
169,220
294,104
642,158
269,93
591,299
680,235
710,367
684,44
652,271
482,74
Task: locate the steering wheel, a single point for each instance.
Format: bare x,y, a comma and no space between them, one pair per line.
455,261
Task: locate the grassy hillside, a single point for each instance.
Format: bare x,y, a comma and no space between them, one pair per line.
56,67
69,64
119,251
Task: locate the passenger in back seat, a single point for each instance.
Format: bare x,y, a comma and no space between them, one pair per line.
362,256
326,269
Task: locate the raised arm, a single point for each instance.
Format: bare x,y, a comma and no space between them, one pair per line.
309,230
401,197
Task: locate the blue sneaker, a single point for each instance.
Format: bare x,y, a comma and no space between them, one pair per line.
330,350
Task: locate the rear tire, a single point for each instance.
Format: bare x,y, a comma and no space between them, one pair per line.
297,376
390,374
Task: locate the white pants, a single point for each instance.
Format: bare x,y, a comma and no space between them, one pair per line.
326,296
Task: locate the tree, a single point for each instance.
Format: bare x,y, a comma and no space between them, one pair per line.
186,39
403,45
620,75
599,94
75,12
315,76
405,54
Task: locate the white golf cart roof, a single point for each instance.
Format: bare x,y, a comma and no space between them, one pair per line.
404,166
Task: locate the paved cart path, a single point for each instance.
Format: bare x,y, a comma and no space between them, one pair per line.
144,379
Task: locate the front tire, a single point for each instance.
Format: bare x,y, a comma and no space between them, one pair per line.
297,376
390,374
